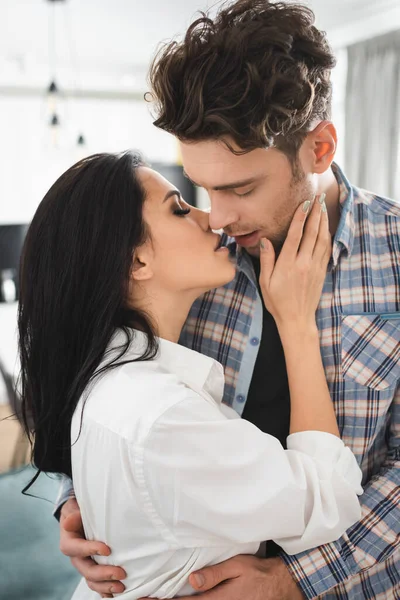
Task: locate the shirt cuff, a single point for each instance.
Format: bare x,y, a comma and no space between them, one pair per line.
316,443
65,492
328,449
318,570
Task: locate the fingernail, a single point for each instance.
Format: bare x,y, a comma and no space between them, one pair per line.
306,206
199,578
263,244
324,209
322,198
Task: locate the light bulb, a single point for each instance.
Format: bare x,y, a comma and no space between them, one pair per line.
52,97
55,130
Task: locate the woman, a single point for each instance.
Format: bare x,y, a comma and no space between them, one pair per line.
165,474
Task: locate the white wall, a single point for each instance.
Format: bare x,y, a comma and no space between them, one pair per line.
29,164
339,75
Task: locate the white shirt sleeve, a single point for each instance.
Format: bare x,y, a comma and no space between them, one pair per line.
212,480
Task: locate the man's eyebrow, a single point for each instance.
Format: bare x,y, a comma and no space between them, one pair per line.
172,193
229,186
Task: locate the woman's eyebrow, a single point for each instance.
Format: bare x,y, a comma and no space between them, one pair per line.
172,193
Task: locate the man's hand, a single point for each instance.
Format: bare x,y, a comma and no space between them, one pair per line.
245,577
102,579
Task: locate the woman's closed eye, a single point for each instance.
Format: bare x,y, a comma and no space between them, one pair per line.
181,211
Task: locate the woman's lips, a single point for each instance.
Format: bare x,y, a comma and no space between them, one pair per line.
251,239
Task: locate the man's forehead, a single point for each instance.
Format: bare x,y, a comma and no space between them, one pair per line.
212,164
206,151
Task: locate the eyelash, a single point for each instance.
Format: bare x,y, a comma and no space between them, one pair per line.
246,194
180,212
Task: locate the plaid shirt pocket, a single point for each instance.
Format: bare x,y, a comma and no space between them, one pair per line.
371,350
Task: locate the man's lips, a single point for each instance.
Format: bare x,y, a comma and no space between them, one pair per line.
248,240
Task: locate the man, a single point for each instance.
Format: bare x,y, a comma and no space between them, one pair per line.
248,97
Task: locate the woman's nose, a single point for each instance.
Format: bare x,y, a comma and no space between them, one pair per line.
203,219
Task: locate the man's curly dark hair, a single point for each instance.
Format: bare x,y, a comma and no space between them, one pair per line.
258,73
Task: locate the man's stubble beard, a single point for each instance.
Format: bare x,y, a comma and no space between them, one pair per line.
300,191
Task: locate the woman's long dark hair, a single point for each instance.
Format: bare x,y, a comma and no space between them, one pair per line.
74,278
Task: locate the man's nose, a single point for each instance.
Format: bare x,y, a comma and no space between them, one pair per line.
221,216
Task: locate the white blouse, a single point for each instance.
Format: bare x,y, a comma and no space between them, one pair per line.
173,480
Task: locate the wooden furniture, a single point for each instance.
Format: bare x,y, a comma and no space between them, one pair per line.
14,445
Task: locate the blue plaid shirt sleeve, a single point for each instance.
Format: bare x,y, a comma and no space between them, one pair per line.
367,549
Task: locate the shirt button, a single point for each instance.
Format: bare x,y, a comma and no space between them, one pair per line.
254,341
240,398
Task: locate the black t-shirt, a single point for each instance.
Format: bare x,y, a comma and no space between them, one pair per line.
268,401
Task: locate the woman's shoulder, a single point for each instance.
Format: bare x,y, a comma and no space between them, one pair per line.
130,398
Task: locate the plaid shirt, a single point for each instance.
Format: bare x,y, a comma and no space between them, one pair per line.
359,323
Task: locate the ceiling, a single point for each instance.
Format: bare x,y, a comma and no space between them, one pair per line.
107,43
106,32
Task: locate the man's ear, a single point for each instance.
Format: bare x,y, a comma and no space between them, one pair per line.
141,268
323,143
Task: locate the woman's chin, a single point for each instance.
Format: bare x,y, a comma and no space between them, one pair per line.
218,275
223,275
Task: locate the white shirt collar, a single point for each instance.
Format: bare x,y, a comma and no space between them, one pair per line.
197,371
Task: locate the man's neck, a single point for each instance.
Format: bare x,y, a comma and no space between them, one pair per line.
329,185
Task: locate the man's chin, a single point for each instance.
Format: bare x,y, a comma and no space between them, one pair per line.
253,251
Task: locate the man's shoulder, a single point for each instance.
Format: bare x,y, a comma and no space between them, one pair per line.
377,206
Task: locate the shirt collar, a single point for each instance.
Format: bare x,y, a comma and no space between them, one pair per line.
243,260
197,371
344,237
